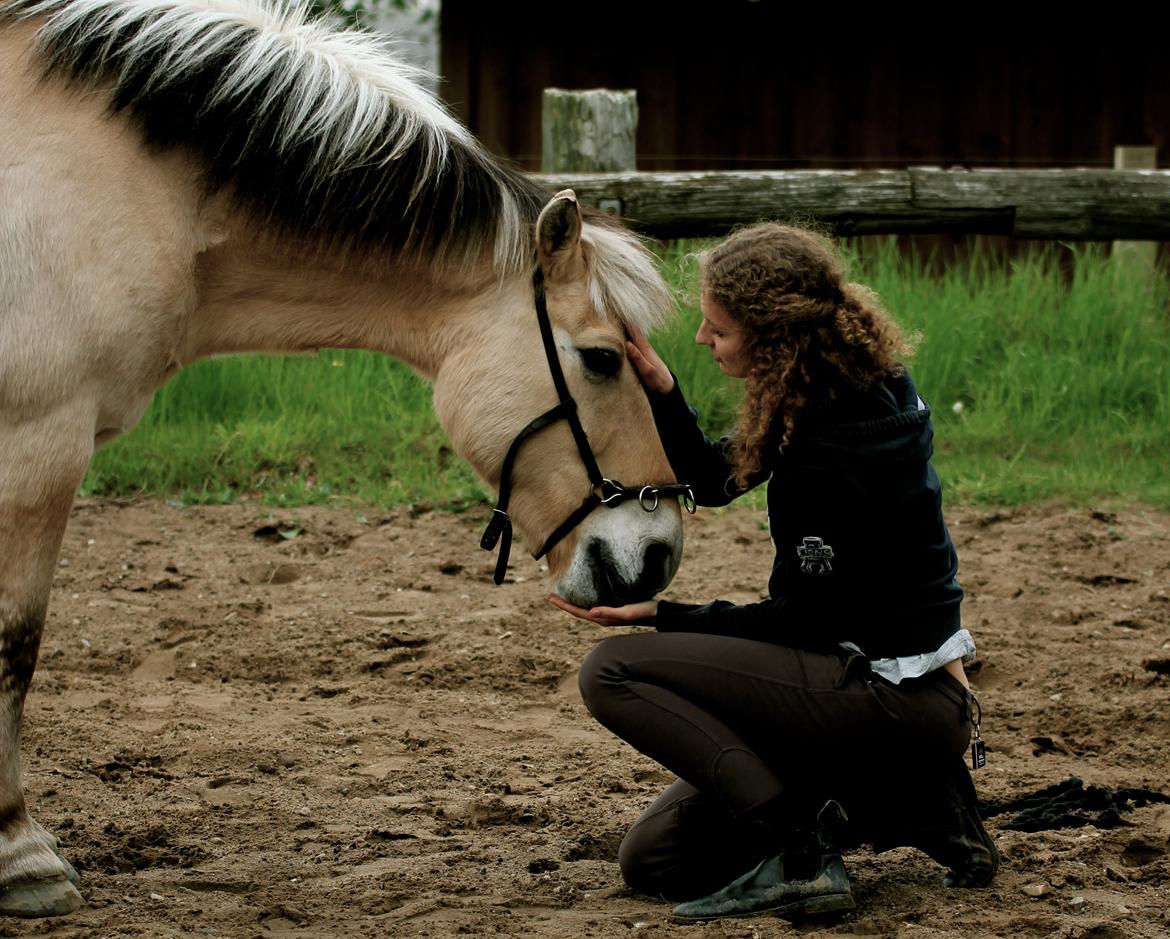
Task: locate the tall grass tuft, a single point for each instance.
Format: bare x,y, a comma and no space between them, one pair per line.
1049,377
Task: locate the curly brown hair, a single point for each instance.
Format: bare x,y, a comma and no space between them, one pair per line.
811,336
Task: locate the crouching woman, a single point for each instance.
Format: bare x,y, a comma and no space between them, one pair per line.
837,709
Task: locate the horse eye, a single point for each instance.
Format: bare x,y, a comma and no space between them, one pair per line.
603,363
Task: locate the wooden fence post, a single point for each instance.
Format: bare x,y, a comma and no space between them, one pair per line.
1143,255
589,132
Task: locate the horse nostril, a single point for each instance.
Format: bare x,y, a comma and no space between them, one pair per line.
613,588
656,566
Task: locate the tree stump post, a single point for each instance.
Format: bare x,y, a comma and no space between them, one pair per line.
1140,256
589,132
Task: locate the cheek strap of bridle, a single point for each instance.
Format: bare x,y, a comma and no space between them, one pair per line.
500,525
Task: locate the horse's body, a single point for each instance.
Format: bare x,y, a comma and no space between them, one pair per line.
185,178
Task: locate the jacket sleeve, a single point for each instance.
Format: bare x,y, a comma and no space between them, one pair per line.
762,621
701,463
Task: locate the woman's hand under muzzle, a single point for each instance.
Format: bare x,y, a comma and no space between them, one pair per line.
632,614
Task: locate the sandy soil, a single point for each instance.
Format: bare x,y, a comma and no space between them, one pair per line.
330,723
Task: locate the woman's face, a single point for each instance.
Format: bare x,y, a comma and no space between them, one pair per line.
724,337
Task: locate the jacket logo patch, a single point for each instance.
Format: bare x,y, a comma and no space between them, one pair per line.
814,556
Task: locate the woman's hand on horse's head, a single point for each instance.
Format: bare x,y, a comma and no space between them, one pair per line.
632,614
648,364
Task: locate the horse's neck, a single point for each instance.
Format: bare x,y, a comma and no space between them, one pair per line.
273,297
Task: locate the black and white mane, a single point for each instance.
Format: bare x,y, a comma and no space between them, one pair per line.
315,128
320,131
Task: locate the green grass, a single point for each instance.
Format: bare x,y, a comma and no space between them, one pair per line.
1060,360
294,429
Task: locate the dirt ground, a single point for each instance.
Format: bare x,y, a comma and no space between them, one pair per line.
328,722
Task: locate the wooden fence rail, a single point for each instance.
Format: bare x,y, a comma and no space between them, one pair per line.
588,146
1072,204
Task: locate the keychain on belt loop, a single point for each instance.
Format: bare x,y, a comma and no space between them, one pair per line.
978,751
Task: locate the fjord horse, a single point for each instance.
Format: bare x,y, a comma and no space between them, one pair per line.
186,178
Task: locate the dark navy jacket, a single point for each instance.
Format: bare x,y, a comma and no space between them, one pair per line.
855,511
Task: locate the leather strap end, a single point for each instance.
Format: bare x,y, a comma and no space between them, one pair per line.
505,551
495,528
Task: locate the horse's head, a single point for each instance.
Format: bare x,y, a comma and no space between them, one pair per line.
596,278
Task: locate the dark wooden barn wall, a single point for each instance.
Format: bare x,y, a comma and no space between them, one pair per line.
744,85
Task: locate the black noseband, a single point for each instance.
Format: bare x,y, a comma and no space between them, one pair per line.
603,491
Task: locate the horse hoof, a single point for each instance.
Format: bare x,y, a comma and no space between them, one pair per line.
40,898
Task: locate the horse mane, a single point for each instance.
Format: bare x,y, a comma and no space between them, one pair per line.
623,276
317,129
321,131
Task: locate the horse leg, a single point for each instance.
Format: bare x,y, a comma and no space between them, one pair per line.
42,461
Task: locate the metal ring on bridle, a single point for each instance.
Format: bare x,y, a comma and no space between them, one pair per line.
649,497
616,491
644,495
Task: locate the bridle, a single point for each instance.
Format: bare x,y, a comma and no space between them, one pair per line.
602,491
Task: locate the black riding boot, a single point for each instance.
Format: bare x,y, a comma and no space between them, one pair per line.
957,838
806,878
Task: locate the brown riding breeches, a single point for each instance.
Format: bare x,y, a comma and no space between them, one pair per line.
748,724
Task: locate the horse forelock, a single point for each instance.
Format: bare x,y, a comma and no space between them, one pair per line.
315,128
624,278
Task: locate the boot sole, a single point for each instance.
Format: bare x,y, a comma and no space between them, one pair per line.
792,910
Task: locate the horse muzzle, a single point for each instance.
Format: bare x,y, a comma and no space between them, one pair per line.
623,555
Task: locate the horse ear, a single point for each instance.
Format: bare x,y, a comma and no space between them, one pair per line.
558,235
